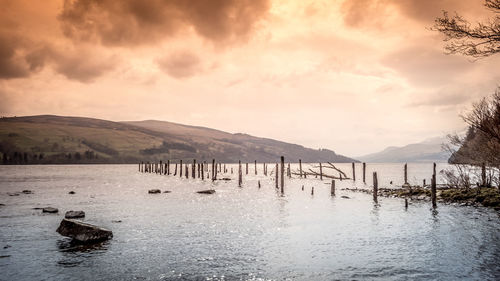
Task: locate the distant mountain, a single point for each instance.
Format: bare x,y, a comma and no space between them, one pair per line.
429,150
57,139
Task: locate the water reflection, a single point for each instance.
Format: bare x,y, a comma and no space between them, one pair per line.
74,253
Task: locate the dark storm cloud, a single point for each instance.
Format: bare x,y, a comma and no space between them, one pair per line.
138,22
180,65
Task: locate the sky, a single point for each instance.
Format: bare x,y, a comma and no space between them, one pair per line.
353,76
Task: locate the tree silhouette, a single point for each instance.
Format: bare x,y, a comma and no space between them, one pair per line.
477,41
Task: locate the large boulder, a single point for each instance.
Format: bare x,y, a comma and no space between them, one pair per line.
50,210
74,214
83,232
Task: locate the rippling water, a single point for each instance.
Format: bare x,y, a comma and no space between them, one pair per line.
238,233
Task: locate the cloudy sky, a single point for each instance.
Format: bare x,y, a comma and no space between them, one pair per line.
353,76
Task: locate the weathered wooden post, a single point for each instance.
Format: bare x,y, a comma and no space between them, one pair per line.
277,173
240,174
282,175
214,170
139,167
247,168
180,168
340,176
483,175
255,167
258,183
375,187
264,169
353,172
364,172
161,167
433,187
187,171
332,191
320,171
312,190
289,171
175,171
202,172
199,170
194,169
406,173
300,167
423,183
406,203
231,170
168,167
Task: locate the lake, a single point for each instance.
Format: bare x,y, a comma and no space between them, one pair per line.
238,233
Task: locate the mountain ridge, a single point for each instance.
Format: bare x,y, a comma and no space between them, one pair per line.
52,139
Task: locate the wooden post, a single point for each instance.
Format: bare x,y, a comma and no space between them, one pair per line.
255,167
247,168
194,169
258,183
199,170
264,169
375,187
161,167
406,173
320,172
340,176
282,174
240,174
168,167
483,175
214,170
312,190
423,183
302,187
289,171
187,171
364,172
300,167
433,187
175,171
406,203
332,191
225,171
277,173
353,172
202,172
231,170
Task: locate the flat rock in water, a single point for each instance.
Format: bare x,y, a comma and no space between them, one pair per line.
225,179
209,191
26,191
167,191
345,197
83,232
74,214
154,191
50,210
71,192
116,221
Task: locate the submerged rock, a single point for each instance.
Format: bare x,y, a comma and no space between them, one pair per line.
116,221
209,191
345,197
74,214
71,192
83,232
225,179
50,210
167,191
154,191
26,191
13,194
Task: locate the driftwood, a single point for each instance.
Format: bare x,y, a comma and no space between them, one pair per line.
311,172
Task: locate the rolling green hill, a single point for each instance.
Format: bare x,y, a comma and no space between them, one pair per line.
47,139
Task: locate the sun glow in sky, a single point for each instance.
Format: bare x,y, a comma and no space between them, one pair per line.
354,76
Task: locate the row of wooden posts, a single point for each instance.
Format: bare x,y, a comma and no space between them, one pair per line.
202,167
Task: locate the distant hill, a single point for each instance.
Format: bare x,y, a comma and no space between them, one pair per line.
57,139
429,150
